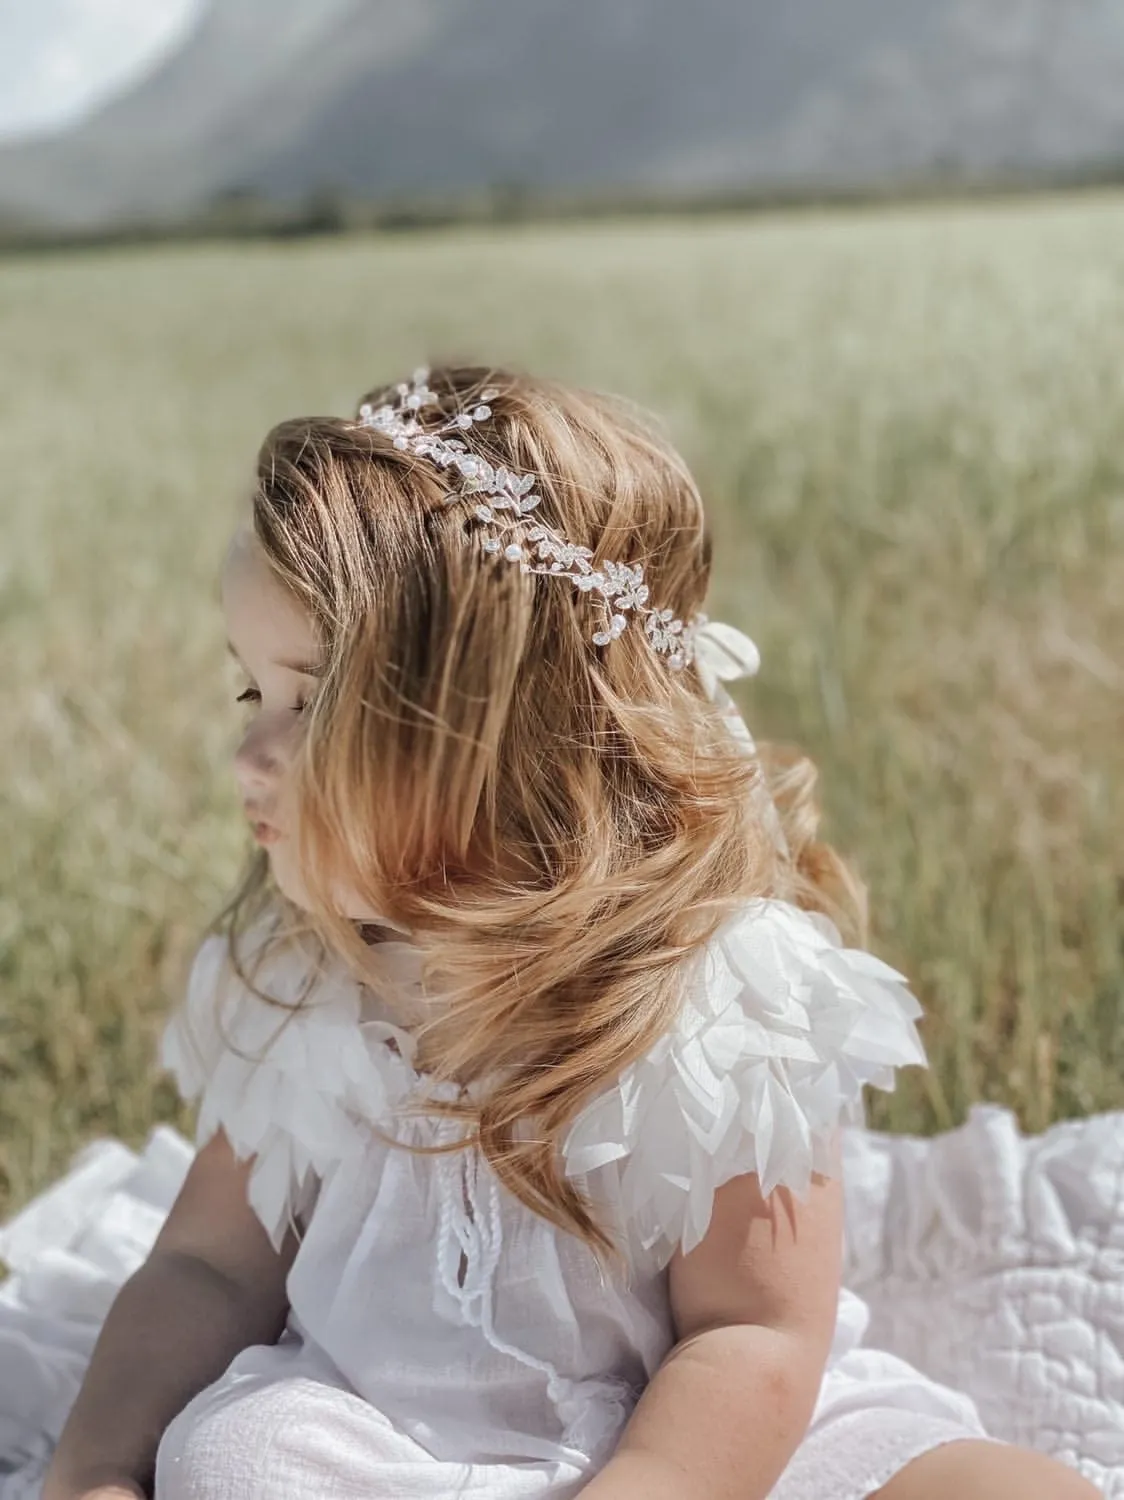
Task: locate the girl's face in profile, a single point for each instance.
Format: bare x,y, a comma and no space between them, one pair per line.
272,638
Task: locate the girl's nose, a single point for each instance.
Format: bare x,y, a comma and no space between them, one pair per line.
257,761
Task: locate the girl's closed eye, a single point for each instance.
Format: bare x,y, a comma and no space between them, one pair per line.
251,695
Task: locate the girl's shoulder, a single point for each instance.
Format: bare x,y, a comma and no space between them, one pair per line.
780,1028
290,1077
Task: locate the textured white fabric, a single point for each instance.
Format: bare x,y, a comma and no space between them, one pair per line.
780,1029
978,1249
995,1261
989,1259
466,1331
283,1425
68,1253
482,1333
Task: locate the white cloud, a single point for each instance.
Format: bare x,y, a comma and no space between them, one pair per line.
59,59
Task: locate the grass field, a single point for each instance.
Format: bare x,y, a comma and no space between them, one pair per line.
910,429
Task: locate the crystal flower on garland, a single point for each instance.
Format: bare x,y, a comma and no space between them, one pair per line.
504,500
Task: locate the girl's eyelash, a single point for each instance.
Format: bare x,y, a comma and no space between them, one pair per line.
251,695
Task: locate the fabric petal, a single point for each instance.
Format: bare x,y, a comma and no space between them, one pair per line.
780,1030
293,1085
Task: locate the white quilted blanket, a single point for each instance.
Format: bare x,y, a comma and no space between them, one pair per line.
995,1262
990,1260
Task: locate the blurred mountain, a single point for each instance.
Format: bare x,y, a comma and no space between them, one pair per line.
440,97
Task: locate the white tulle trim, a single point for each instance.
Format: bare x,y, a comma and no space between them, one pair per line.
780,1029
311,1077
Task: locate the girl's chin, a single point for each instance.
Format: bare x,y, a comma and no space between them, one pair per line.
372,926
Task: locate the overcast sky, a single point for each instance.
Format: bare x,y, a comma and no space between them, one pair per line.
60,58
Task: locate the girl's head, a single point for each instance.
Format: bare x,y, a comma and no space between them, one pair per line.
445,751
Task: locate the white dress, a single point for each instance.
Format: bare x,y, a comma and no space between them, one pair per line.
442,1338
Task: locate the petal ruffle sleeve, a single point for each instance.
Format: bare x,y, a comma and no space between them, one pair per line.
290,1084
781,1026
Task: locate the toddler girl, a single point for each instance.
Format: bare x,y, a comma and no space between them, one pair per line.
523,1048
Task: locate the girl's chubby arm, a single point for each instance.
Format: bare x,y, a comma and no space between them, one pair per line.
754,1306
211,1285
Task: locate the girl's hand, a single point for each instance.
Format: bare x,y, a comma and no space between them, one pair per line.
113,1492
120,1489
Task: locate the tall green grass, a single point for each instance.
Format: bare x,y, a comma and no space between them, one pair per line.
910,429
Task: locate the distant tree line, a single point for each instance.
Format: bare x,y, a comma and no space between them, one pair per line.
246,213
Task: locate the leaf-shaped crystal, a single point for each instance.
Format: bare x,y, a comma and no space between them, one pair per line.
621,584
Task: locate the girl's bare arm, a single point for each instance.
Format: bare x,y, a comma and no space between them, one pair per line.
754,1307
211,1286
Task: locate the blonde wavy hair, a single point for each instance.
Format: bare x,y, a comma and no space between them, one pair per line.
558,825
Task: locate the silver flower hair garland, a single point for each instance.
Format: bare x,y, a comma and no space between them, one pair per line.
720,652
509,501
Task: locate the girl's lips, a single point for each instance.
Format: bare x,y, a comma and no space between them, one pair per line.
265,833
